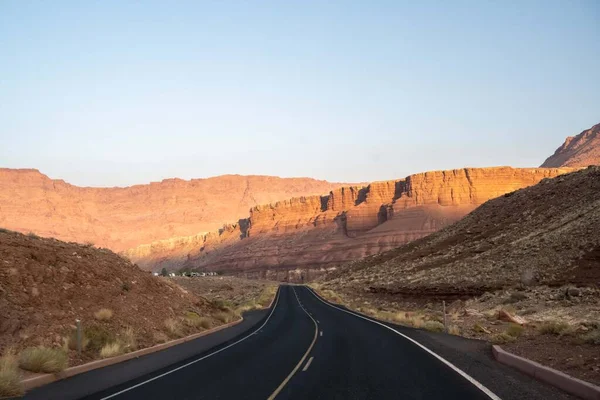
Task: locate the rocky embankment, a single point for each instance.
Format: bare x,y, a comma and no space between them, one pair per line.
300,238
121,218
577,151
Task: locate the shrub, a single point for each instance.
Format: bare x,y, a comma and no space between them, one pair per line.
88,244
33,235
554,328
4,230
194,320
173,327
10,382
224,305
125,287
267,295
129,341
515,330
224,317
502,338
454,330
43,359
434,326
97,337
592,337
111,350
71,341
103,314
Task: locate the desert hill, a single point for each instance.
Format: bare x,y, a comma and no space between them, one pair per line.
545,234
120,218
299,238
46,284
577,151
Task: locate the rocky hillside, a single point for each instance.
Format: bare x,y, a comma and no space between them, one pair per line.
577,151
546,234
303,236
121,218
46,284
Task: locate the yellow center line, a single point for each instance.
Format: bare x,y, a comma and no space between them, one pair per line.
286,380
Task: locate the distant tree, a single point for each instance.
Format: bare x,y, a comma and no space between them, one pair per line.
164,272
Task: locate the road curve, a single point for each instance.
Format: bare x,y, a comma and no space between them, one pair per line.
308,349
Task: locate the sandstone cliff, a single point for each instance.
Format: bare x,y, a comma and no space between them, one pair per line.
577,151
121,218
546,234
316,232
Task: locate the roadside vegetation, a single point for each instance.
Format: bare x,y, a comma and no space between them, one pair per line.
43,359
10,382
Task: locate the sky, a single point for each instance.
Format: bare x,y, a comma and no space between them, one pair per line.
115,93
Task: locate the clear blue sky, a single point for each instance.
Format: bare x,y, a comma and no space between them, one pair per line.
105,93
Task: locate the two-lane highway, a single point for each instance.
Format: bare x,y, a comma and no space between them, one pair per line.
306,348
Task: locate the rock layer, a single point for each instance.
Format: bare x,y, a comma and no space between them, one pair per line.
577,151
316,232
121,218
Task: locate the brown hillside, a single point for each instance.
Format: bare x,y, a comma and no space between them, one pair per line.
46,284
312,233
120,218
577,151
547,234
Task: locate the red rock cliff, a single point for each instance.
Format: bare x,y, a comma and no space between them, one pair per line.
577,151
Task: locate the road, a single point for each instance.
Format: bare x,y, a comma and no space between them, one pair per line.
306,348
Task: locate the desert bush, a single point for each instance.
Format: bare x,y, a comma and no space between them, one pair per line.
125,287
194,320
503,338
592,337
173,327
554,328
515,330
434,326
478,328
128,340
267,294
10,382
33,235
97,337
103,314
70,342
224,305
111,350
224,317
454,330
4,230
43,359
88,244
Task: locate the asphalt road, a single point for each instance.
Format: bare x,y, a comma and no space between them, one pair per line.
305,348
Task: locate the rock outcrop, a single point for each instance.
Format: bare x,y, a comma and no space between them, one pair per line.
121,218
577,151
317,232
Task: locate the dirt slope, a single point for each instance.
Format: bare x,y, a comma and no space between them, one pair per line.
577,151
545,234
46,284
120,218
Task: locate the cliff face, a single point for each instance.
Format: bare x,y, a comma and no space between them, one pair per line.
120,218
320,231
577,151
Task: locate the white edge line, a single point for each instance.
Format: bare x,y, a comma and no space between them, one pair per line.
307,364
200,359
448,363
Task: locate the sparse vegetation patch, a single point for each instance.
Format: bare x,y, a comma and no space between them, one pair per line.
43,359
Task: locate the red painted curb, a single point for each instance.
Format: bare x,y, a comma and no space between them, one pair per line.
569,384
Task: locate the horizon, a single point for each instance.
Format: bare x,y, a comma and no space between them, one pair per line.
117,95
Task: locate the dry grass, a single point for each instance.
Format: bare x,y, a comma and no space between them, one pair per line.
129,340
112,350
515,330
224,316
173,327
503,338
558,328
43,359
196,321
454,330
267,295
103,314
434,326
10,382
592,337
